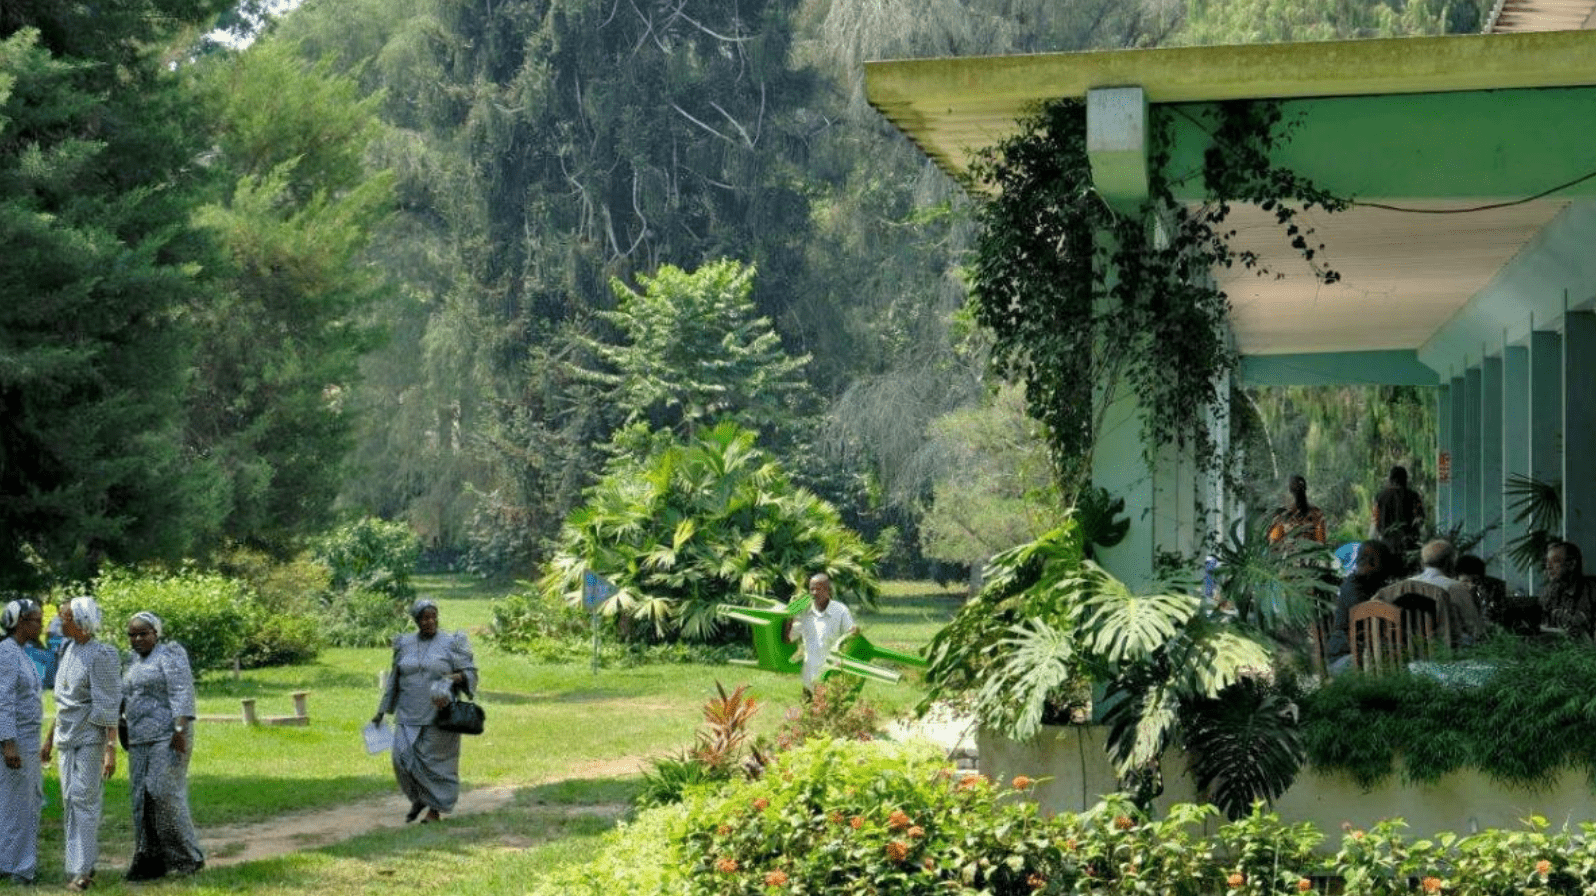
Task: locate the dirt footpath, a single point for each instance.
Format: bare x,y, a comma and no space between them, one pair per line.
232,844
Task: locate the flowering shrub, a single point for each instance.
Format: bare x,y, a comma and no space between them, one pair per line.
837,710
852,818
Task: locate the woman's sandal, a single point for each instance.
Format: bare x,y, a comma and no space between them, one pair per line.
79,884
432,815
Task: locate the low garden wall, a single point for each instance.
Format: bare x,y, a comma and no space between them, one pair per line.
1078,773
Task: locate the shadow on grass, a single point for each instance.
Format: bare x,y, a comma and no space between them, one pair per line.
306,678
451,850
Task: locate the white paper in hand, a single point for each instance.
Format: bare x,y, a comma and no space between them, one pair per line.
378,737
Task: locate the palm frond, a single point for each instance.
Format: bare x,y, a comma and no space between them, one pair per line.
1539,506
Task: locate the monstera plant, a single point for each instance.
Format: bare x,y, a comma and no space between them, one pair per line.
1051,629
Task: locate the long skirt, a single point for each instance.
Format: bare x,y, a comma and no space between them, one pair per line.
426,760
164,841
82,801
21,800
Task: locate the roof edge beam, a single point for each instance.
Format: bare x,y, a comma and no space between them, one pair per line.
1399,367
1116,144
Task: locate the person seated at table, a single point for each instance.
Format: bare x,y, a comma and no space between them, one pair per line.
1370,573
1490,593
1460,615
1568,599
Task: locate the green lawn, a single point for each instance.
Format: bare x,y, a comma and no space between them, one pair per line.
543,722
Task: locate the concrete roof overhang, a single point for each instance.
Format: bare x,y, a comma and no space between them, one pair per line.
1457,135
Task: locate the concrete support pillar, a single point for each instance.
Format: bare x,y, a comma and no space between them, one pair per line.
1579,432
1515,453
1467,468
1117,135
1119,465
1439,507
1457,460
1491,475
1545,416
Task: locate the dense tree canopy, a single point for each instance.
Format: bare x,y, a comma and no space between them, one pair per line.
96,179
206,247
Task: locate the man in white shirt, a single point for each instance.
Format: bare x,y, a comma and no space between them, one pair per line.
822,627
1439,559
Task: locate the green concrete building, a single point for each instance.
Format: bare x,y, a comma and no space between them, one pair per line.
1468,264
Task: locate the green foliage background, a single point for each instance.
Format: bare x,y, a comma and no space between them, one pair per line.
680,529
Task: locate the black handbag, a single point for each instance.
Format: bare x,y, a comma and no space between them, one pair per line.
462,716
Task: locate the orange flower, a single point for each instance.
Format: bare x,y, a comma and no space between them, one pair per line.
1543,867
761,804
1124,823
1432,885
1235,879
775,878
1357,835
1021,782
856,822
726,865
915,832
897,850
898,820
723,830
835,818
972,780
1069,845
1304,885
1036,881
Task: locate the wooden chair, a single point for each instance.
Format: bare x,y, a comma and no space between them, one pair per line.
1318,637
1374,630
1421,624
1425,615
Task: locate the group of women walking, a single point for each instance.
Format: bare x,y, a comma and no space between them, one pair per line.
153,699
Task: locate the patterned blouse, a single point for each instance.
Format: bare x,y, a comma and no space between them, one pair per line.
88,693
159,690
20,709
423,667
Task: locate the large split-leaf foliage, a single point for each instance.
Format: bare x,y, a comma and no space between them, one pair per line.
1053,638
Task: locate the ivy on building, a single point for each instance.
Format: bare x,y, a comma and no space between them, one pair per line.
1087,303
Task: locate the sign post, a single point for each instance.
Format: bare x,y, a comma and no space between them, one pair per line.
595,591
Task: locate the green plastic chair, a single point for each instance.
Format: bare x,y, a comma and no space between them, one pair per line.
855,655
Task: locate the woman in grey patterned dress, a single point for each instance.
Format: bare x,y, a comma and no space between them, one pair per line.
158,689
21,717
428,666
88,698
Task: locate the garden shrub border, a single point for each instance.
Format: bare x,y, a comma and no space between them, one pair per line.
838,817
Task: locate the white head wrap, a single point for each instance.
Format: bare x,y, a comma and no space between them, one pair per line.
151,620
13,613
85,613
421,606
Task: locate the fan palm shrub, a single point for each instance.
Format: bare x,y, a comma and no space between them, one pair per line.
682,528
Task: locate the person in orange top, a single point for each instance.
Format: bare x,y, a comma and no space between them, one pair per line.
1297,519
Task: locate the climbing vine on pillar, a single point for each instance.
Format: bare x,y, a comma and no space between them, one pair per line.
1086,302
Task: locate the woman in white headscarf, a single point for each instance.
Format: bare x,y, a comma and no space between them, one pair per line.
21,718
428,667
158,691
88,701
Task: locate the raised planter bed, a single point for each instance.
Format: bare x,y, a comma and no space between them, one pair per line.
1079,772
